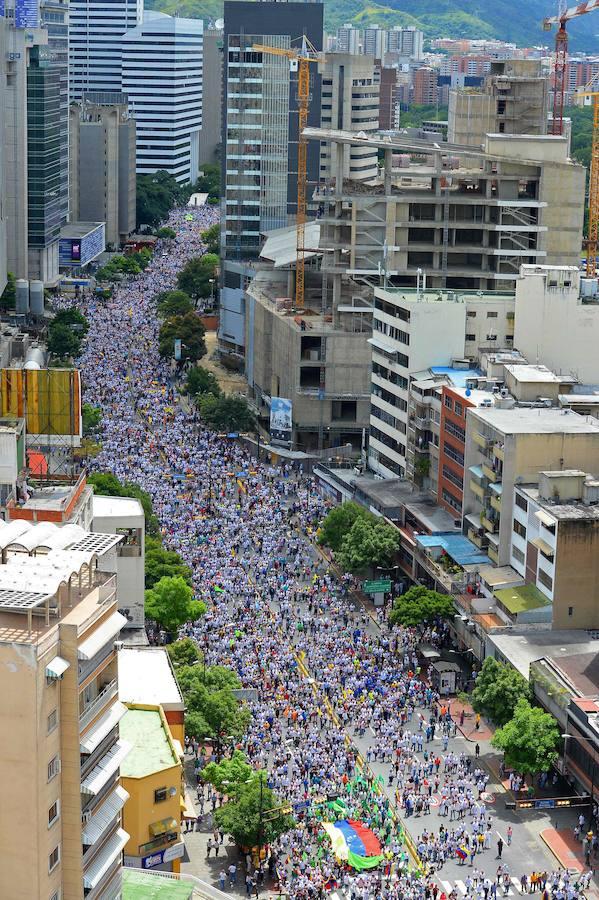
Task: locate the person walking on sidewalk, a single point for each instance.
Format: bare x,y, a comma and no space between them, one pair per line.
509,835
499,848
477,751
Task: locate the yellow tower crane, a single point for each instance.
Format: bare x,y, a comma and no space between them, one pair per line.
592,90
299,59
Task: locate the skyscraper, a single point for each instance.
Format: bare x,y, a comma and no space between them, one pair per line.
375,41
259,141
95,31
348,39
55,19
162,78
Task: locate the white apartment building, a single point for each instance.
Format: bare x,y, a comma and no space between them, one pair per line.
125,516
162,77
375,41
95,31
412,331
557,320
406,41
350,101
348,39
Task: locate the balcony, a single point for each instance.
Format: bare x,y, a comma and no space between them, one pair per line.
477,489
97,705
496,503
498,452
481,440
489,523
477,538
493,554
490,473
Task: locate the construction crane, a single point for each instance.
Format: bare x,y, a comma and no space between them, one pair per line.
300,60
592,90
561,55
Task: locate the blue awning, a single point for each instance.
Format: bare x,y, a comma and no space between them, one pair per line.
461,550
496,487
476,470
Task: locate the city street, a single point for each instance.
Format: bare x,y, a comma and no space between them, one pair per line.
332,687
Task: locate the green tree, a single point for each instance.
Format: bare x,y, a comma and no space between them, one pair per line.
8,297
166,233
62,341
202,381
211,238
189,330
174,303
183,652
91,417
194,277
226,413
338,522
230,775
105,484
368,544
529,739
170,603
156,195
419,604
255,816
225,715
160,563
209,182
196,725
497,691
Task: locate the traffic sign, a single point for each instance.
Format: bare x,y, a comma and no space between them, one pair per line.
377,587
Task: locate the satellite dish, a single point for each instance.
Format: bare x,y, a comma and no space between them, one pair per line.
468,392
219,24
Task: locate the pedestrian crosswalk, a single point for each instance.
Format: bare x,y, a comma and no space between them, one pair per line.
516,888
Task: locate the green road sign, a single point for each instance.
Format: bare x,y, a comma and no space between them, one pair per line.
377,587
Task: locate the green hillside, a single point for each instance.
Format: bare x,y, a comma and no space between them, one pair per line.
511,20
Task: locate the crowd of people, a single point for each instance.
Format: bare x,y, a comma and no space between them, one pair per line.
329,680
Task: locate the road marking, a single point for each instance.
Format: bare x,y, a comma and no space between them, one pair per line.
515,889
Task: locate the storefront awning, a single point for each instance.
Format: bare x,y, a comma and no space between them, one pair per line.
57,667
163,826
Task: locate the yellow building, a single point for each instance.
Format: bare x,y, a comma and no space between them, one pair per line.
152,775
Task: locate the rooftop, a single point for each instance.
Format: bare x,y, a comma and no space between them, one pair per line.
146,676
575,509
522,598
434,518
526,420
523,647
533,374
463,551
138,885
457,377
582,669
281,244
117,507
413,295
79,229
152,749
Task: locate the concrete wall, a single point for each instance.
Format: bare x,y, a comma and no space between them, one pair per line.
544,315
471,115
212,87
576,583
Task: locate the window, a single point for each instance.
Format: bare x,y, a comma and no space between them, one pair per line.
519,529
458,409
453,453
53,768
470,337
53,813
546,580
570,610
452,501
518,555
54,859
52,721
491,315
452,476
521,502
448,401
471,314
160,795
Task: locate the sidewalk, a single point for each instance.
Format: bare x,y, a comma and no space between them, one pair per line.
569,853
485,731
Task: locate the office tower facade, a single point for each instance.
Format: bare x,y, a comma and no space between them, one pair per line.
59,712
95,31
55,19
350,101
3,205
375,42
259,141
162,77
348,39
102,164
425,86
212,87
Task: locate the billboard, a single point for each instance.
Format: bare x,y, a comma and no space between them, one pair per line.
281,424
48,399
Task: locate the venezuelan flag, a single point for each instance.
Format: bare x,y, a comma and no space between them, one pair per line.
354,843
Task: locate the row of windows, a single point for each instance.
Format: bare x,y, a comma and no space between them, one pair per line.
390,376
455,430
453,477
451,500
390,309
521,502
388,441
389,464
388,397
390,331
453,453
384,416
519,529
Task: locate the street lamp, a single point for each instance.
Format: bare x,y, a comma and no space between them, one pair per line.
211,280
576,737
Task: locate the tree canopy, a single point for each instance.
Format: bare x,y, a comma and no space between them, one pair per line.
368,544
156,195
497,691
338,522
91,416
170,603
529,740
419,604
160,562
166,233
8,297
230,775
189,330
226,413
254,817
174,303
201,381
183,652
211,238
209,181
66,332
194,277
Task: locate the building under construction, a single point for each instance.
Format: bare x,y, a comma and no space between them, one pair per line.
465,217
